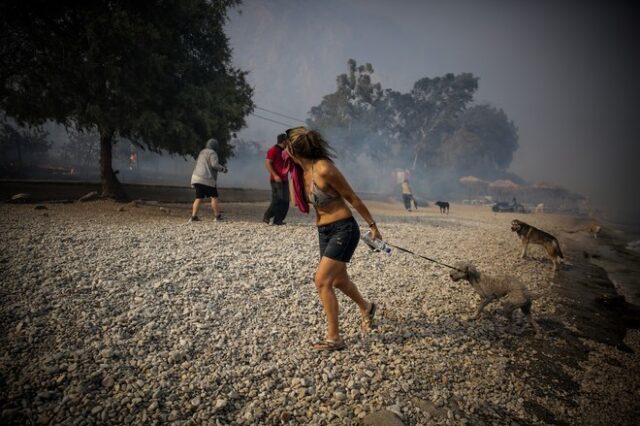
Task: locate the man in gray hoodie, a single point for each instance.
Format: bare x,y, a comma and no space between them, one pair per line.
204,179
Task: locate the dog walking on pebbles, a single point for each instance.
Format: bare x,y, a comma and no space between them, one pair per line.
490,288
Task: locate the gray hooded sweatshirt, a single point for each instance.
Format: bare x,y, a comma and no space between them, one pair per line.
207,166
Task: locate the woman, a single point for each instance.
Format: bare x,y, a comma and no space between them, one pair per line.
328,191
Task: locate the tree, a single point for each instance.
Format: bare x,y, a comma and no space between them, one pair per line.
433,130
368,119
436,103
497,134
463,152
350,114
157,72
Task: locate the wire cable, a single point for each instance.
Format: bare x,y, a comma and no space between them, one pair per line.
281,115
273,121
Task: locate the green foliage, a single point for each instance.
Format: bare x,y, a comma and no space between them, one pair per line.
497,134
436,103
350,114
156,72
432,127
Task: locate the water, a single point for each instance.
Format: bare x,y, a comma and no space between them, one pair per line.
633,246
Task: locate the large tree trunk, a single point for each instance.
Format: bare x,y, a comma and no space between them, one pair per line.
111,187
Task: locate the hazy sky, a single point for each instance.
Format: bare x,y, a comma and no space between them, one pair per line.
565,72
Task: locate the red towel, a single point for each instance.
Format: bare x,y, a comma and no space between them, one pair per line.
297,178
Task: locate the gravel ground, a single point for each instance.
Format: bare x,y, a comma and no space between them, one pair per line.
124,314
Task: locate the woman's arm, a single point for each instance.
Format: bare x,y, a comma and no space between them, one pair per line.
330,173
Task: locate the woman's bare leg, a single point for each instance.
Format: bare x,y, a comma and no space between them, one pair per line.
332,273
325,275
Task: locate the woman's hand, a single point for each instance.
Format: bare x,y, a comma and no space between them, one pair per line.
375,233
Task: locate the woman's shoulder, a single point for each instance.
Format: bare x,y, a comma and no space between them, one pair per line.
324,167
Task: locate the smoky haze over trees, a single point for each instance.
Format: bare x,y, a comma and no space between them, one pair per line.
435,130
158,73
565,73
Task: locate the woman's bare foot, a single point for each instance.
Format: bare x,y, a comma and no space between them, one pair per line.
367,317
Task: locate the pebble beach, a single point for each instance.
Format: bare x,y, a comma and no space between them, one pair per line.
116,313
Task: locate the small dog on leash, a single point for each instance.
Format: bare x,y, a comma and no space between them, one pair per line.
444,206
514,292
530,234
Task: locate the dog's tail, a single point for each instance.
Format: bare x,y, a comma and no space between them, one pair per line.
557,246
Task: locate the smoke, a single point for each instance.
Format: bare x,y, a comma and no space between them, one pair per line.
247,167
566,75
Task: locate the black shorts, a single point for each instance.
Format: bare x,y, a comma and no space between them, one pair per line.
203,191
338,240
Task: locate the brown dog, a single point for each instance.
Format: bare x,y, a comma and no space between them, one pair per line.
529,234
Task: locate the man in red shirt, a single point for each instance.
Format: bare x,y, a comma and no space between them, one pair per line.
279,183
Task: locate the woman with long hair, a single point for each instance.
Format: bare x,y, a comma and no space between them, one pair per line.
329,192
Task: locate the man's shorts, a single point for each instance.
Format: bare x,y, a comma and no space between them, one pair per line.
338,240
203,191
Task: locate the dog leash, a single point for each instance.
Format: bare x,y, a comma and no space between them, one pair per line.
424,257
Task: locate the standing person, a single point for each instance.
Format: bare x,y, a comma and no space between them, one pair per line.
329,192
407,196
278,177
204,179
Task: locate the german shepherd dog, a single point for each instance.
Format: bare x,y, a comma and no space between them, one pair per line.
444,206
490,288
529,234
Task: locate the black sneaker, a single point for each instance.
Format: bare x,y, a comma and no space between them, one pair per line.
218,218
194,219
279,223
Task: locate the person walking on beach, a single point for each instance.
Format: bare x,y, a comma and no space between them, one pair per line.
278,177
325,187
407,195
204,179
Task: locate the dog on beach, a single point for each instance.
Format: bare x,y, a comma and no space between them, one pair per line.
531,235
593,229
444,206
490,288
